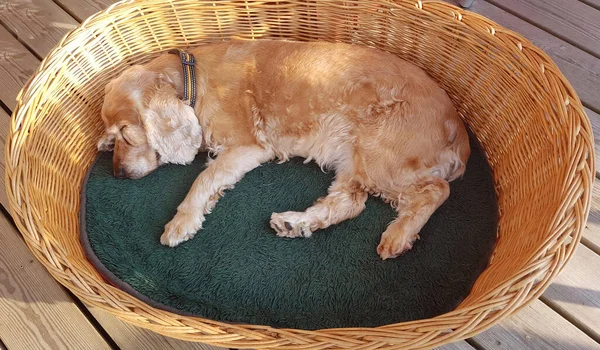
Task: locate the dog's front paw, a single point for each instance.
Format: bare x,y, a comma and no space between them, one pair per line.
394,243
181,228
291,224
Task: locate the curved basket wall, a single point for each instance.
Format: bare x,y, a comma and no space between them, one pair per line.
524,112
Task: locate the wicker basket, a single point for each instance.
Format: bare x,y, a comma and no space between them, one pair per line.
526,115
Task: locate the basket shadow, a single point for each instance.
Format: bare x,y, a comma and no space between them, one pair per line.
594,217
562,293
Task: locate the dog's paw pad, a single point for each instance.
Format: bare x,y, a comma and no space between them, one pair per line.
290,224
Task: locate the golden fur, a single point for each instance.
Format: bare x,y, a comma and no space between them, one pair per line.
380,122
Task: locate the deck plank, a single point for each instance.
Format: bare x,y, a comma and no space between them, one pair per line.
129,337
82,9
594,3
575,293
595,121
535,327
37,313
571,20
17,64
591,234
461,345
40,24
4,126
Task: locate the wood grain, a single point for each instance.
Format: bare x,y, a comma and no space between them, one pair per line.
36,312
461,345
40,24
579,67
4,126
571,20
17,64
82,9
576,291
595,121
129,337
536,327
594,3
591,234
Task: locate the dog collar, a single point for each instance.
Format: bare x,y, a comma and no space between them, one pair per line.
189,75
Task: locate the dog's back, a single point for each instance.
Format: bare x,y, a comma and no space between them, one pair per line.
348,107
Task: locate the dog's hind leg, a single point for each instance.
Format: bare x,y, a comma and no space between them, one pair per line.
221,174
417,202
345,200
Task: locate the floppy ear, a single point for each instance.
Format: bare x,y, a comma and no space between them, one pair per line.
106,143
171,127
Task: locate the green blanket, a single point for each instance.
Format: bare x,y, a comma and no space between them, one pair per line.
237,270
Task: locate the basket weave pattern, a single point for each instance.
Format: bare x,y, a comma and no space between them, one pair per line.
525,114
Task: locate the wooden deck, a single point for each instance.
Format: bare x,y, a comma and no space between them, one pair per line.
36,312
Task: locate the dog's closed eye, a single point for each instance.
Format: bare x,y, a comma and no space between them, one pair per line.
126,138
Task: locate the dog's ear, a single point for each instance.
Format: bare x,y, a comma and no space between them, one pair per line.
171,126
106,143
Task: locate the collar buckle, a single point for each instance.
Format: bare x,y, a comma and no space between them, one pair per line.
187,59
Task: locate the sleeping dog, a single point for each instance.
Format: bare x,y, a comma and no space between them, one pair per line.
381,123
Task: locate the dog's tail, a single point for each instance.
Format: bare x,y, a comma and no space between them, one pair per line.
454,157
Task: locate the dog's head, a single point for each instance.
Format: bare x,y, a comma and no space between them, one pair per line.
147,124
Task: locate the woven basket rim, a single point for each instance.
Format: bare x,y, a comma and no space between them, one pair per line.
526,286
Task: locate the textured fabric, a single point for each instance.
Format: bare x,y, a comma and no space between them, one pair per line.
237,270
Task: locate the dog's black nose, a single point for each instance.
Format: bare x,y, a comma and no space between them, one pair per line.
120,173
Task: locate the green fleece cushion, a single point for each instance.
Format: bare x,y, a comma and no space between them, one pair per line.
236,270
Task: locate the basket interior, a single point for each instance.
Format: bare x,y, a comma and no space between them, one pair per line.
502,94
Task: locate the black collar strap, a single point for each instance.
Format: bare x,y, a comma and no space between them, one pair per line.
189,75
